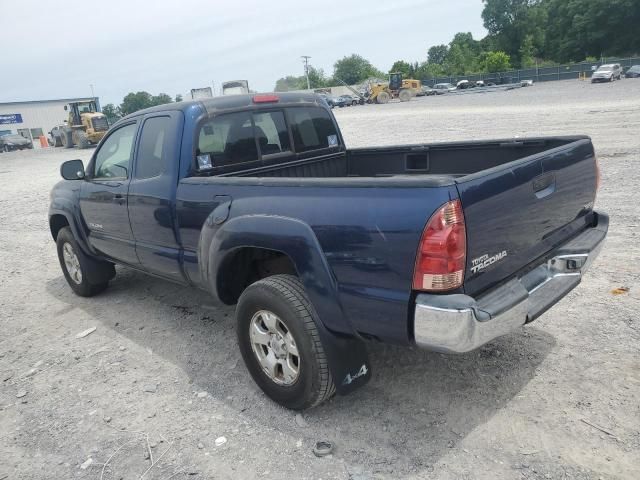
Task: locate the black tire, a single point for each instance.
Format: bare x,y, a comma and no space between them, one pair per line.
405,95
66,139
82,141
285,296
6,149
57,141
94,274
383,97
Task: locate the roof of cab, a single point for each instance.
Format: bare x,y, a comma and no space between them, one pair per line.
216,104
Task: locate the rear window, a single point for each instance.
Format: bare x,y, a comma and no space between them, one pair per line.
272,133
244,138
227,140
312,129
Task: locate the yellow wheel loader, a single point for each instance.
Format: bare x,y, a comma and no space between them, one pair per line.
85,125
396,87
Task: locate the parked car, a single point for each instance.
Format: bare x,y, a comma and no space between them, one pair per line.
633,72
12,141
465,84
428,91
250,198
349,100
442,88
333,101
607,73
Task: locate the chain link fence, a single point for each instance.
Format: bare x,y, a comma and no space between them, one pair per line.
537,74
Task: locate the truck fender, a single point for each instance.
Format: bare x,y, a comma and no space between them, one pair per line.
65,208
345,350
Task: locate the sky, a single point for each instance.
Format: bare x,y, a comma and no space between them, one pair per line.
173,46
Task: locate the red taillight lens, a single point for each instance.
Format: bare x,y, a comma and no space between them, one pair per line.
442,253
265,98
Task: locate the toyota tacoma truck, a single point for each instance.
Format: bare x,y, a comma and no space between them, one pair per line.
256,200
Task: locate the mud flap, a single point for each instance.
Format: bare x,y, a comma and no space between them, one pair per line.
348,360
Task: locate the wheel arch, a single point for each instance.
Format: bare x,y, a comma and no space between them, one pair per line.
57,222
293,244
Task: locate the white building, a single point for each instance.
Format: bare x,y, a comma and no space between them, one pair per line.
31,119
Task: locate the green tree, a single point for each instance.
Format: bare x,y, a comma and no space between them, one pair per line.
317,78
462,56
579,28
428,70
403,67
437,54
496,62
178,98
288,83
527,52
111,112
354,69
509,22
133,102
160,99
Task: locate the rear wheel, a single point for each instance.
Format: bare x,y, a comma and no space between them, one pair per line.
6,149
86,277
383,97
280,344
405,95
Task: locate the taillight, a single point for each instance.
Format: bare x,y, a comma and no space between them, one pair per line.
442,253
265,98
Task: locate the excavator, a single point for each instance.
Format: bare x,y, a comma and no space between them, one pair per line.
85,125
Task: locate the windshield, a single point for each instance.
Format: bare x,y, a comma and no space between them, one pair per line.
605,68
634,69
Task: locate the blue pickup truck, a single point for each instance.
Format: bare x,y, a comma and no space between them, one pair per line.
256,200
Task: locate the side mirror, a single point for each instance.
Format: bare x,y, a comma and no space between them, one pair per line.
72,170
66,108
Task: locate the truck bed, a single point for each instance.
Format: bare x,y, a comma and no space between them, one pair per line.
441,159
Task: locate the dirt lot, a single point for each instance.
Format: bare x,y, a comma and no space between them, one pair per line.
559,399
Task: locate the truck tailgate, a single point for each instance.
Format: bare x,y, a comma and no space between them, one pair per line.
517,212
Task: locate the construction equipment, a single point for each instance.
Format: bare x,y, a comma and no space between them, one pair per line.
396,87
85,125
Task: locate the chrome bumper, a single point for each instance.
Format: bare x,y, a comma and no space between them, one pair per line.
459,323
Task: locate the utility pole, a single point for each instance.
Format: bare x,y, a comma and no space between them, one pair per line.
92,94
306,69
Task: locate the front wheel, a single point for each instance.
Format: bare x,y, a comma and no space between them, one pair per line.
86,277
280,343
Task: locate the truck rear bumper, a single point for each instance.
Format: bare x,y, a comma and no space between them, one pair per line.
459,323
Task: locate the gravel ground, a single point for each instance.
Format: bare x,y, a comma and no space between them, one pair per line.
161,373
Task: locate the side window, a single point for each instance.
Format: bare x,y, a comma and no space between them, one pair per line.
312,129
152,152
114,157
272,133
227,140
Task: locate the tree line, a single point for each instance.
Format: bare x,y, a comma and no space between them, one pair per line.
133,102
521,34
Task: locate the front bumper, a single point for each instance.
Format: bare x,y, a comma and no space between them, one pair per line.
459,323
